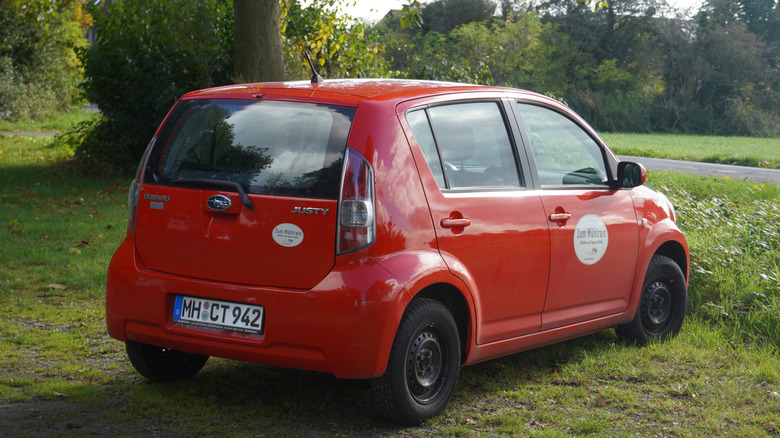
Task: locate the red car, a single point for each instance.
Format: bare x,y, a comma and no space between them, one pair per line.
387,230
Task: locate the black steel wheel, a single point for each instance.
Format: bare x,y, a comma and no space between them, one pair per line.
662,306
423,367
163,364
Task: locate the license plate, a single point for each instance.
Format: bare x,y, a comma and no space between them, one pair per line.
217,314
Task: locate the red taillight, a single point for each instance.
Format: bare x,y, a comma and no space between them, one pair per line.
134,193
357,225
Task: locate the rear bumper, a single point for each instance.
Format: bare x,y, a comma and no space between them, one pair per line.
344,326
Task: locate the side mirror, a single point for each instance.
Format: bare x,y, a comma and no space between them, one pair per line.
630,174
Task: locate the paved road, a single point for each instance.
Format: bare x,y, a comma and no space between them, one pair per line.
722,170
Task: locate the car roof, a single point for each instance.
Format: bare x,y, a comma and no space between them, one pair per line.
346,91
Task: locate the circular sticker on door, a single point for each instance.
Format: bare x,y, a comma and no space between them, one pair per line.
590,239
288,235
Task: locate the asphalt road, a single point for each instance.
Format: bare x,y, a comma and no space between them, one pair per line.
721,170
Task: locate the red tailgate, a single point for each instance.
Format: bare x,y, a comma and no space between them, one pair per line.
281,242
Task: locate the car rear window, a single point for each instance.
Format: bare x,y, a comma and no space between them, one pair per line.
268,147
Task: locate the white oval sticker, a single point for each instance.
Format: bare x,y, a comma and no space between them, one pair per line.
590,239
288,235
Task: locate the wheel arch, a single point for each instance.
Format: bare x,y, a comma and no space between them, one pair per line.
675,251
456,303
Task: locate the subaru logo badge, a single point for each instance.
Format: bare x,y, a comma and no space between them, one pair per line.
219,202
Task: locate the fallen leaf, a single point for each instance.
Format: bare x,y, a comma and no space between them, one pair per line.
83,244
61,395
601,401
56,286
772,394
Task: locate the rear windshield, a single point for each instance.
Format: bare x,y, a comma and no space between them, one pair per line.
268,147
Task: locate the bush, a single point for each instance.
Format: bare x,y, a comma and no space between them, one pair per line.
39,69
148,53
746,119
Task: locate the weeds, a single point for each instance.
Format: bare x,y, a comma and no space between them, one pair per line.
735,254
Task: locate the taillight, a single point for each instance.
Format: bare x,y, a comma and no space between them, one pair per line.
357,225
134,193
132,202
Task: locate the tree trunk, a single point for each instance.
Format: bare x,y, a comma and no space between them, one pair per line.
257,45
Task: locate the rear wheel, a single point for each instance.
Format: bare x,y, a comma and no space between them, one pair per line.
163,364
423,367
661,310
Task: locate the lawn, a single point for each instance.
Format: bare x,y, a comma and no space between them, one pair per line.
756,152
60,374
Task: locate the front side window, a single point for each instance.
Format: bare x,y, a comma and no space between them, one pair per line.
466,145
268,147
564,153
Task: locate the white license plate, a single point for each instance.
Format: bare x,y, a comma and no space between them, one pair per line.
216,314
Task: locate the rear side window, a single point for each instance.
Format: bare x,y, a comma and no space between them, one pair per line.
268,147
466,145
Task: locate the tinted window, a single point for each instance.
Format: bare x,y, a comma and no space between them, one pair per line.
474,148
278,148
564,152
418,120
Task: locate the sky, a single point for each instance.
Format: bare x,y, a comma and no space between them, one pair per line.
372,10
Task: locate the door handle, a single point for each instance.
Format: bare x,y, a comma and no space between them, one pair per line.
455,223
559,217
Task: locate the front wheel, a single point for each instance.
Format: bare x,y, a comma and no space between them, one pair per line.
163,364
423,367
661,310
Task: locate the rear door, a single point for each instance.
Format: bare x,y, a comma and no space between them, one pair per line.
593,227
244,191
490,230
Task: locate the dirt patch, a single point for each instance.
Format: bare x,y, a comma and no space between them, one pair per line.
52,418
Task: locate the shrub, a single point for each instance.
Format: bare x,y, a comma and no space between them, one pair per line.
147,54
39,69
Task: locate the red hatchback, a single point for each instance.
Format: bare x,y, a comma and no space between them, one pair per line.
387,230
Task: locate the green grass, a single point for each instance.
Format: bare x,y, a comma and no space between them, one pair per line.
744,151
60,374
60,122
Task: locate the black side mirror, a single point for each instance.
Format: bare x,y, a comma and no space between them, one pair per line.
630,174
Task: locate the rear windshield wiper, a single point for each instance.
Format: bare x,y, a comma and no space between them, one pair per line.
227,184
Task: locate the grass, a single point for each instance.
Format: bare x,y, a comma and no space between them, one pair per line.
61,375
744,151
59,122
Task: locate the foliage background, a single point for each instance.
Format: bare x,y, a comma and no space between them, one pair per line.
40,72
630,66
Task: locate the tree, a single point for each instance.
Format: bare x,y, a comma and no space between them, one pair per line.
445,15
257,44
339,45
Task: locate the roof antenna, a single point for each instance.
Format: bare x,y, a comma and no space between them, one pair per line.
315,77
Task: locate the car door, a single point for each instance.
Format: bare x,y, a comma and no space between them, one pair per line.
593,227
490,230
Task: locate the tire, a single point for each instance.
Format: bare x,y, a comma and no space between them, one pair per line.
163,364
423,367
661,309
